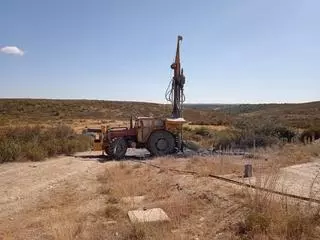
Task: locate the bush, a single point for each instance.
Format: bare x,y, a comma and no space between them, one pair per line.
202,131
34,151
35,143
226,138
310,133
246,134
9,150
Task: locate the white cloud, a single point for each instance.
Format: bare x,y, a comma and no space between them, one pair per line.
12,50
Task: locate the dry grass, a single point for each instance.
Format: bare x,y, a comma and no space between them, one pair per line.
45,110
127,180
58,215
289,154
199,207
272,216
37,143
161,189
211,127
269,216
218,165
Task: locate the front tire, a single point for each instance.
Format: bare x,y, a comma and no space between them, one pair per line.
161,143
117,148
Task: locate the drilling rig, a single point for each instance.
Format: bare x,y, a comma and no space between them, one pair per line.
160,136
175,94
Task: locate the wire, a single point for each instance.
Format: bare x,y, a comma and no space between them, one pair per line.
169,95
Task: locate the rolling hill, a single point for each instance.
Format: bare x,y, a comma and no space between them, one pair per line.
301,115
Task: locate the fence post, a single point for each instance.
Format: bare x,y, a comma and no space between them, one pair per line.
248,170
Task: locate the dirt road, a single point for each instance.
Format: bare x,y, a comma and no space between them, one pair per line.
65,198
29,189
61,198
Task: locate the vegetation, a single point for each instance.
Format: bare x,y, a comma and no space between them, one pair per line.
198,206
35,143
42,110
244,134
253,215
245,125
303,115
312,133
268,216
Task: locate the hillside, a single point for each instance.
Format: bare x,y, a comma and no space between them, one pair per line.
301,115
41,110
44,110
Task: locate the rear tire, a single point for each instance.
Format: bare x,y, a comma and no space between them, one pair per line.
161,143
117,148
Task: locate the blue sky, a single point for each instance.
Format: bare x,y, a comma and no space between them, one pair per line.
233,51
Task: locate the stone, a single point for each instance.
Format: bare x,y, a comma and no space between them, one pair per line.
149,215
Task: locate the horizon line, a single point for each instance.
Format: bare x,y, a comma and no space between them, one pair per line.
150,102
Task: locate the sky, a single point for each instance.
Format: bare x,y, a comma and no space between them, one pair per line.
233,51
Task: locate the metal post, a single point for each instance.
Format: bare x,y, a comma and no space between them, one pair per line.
247,170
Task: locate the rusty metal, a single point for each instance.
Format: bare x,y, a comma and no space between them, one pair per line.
175,94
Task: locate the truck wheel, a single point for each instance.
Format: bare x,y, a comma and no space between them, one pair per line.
117,148
161,143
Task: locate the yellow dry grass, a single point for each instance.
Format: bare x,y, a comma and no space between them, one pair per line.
211,127
288,154
198,206
181,198
270,216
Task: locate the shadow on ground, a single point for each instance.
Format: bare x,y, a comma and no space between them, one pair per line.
132,154
104,158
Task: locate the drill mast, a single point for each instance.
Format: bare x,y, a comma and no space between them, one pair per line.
175,94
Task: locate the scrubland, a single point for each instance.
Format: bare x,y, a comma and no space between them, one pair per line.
76,195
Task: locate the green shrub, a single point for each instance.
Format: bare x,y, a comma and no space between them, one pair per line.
246,135
226,138
35,143
9,150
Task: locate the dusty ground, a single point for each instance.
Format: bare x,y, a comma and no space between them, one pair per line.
61,198
35,196
79,197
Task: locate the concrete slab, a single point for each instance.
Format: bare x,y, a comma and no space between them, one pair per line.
149,215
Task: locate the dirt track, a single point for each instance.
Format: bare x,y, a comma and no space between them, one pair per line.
27,186
60,198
